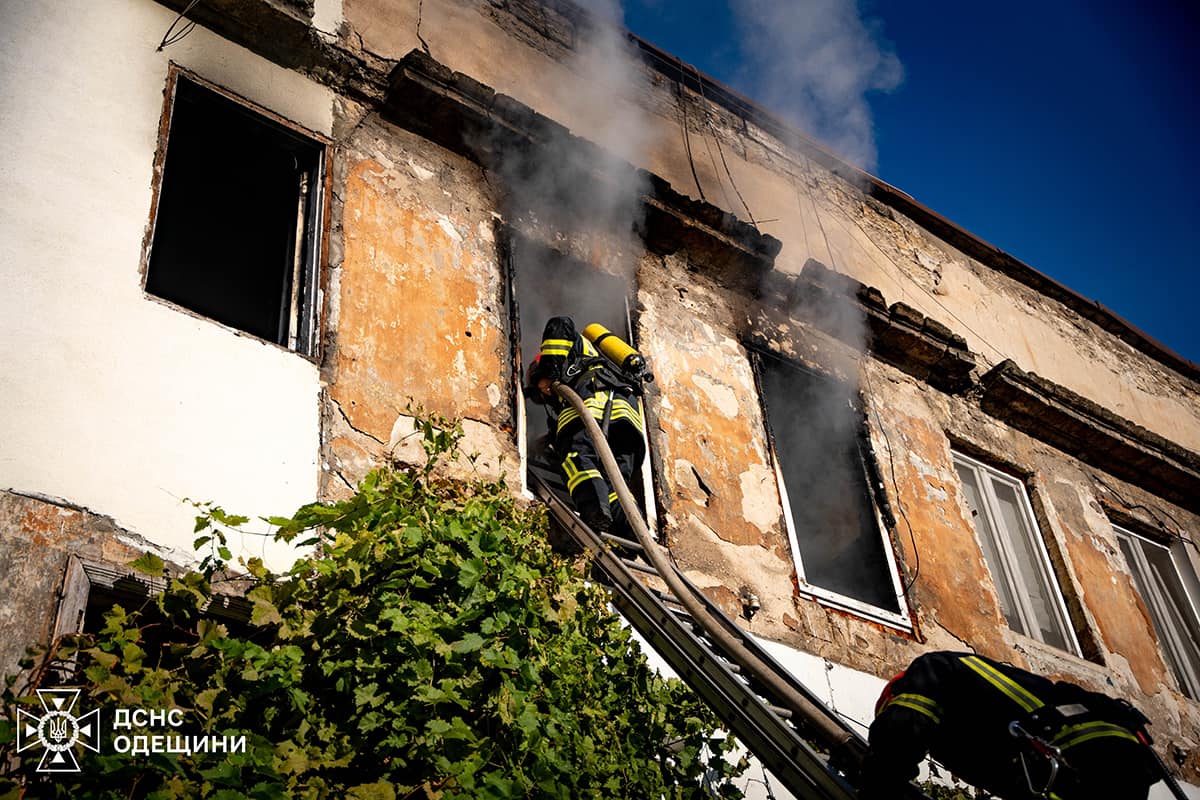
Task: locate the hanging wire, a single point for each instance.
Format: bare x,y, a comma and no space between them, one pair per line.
687,139
721,150
896,489
1180,537
717,171
172,36
421,39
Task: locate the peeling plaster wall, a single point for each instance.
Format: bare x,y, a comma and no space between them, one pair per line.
415,307
720,502
420,314
954,594
36,538
115,401
816,214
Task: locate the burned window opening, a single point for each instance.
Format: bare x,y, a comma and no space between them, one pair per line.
91,589
238,223
543,283
816,430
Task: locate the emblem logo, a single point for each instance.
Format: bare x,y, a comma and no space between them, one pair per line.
58,730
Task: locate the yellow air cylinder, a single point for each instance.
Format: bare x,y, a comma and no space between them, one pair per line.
615,349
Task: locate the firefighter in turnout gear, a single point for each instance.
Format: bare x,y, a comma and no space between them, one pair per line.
609,388
1008,731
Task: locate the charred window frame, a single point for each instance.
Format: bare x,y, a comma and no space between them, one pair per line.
543,282
91,588
837,519
1168,586
1006,528
239,215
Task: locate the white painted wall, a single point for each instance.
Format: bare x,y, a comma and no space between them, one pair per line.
110,399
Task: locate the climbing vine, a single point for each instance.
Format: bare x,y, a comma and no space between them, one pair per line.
432,646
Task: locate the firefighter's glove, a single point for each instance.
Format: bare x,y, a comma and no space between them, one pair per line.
539,370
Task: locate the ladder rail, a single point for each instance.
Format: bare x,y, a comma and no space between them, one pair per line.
749,718
807,770
855,740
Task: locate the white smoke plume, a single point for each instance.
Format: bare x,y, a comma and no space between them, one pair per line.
814,62
587,201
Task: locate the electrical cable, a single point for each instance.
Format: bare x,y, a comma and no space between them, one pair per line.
687,139
720,150
716,171
169,38
931,295
1153,513
896,490
420,38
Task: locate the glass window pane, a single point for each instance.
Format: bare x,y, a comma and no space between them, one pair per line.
987,540
1029,563
1170,608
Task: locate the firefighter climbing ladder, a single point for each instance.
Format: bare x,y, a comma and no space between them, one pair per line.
769,711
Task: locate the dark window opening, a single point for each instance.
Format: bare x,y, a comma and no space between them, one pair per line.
91,589
238,225
815,428
547,283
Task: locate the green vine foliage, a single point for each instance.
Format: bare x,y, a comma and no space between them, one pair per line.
432,647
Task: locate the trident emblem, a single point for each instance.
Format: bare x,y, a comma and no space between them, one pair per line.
58,730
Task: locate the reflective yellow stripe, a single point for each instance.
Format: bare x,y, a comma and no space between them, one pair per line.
1017,693
918,702
568,465
582,477
570,415
1086,731
622,409
612,497
556,347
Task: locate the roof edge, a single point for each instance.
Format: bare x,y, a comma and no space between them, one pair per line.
988,254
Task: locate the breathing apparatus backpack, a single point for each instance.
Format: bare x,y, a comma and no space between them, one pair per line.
629,363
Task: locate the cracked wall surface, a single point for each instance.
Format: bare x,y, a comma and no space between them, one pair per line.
36,538
415,307
817,214
420,318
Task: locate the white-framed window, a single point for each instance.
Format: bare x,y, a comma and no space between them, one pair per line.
1167,583
1030,597
239,219
840,546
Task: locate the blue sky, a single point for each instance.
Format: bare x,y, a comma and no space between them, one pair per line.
1058,131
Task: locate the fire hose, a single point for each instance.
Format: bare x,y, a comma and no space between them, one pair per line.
834,736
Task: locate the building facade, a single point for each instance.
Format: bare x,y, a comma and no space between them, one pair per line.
243,245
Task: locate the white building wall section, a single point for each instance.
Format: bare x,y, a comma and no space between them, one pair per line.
112,400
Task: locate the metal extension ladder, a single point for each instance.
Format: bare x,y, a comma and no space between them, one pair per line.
776,734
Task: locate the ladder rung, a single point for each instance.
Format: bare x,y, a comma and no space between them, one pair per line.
628,544
782,713
639,566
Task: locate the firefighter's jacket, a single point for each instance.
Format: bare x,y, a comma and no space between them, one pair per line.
958,707
569,357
